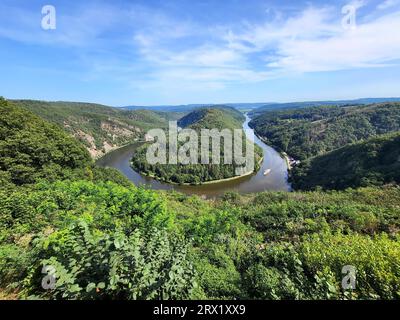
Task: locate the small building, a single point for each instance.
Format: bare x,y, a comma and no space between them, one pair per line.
148,138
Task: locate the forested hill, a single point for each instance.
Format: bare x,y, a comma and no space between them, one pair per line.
372,162
99,127
297,105
32,149
206,118
304,133
213,118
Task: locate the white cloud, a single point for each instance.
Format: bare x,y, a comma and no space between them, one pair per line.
314,41
358,3
373,44
160,51
388,4
311,41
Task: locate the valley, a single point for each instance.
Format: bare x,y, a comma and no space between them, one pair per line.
112,233
277,180
194,159
217,162
100,128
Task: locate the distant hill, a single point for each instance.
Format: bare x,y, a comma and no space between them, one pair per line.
191,107
168,108
296,105
375,161
259,107
221,117
100,128
308,132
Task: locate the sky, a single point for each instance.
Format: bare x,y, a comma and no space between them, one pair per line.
170,52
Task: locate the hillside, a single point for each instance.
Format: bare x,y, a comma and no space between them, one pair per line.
308,132
99,127
32,149
168,108
372,162
213,118
297,105
206,118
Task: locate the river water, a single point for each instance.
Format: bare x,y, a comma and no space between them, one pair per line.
277,180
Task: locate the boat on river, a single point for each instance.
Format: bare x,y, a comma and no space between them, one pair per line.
267,172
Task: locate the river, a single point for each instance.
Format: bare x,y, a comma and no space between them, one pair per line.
277,180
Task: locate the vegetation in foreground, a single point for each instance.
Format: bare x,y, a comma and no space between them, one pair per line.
106,241
111,240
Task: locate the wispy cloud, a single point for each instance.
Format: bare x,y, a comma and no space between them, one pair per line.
388,4
312,40
153,49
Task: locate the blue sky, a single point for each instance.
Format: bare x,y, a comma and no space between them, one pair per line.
160,52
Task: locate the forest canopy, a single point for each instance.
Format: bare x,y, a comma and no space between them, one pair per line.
308,132
375,161
219,118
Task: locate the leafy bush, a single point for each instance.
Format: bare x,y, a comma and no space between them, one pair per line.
90,264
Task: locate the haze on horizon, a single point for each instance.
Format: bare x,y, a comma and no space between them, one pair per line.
172,52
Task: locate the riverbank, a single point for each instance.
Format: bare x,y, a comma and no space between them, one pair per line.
254,182
117,148
202,183
287,159
283,154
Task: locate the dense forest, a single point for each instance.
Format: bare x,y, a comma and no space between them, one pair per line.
372,162
308,132
69,230
32,149
298,105
100,128
220,118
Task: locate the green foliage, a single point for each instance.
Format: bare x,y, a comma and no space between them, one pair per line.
376,261
31,149
213,118
308,132
89,264
81,228
312,268
217,274
282,216
103,205
264,246
372,162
